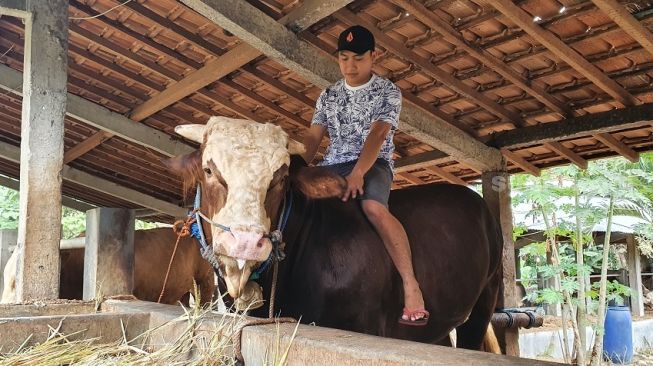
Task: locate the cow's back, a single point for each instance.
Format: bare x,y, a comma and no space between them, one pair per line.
338,272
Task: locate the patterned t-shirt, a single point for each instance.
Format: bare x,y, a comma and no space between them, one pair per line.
348,112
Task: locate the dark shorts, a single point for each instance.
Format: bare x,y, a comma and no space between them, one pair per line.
378,180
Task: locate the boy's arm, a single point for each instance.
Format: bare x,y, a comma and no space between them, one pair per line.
369,154
312,142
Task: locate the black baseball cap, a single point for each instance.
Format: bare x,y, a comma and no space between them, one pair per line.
357,39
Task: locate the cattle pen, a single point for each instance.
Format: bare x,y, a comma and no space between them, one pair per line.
91,92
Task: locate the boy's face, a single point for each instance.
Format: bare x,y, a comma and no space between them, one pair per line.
355,68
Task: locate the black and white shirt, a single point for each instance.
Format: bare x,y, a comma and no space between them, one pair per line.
348,112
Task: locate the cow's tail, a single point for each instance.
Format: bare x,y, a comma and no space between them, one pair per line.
490,341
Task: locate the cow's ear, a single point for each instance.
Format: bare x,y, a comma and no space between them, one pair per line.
187,166
318,183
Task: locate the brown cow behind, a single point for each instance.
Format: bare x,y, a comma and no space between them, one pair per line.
152,251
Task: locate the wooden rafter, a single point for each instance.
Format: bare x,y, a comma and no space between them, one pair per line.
567,153
86,146
412,178
450,34
440,172
277,42
212,71
620,15
521,162
525,21
447,79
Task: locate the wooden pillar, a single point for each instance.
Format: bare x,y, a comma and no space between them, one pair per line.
109,253
635,277
496,192
41,153
7,244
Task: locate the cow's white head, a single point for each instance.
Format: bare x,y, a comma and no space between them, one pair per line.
242,166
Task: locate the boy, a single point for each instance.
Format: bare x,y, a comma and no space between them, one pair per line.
361,114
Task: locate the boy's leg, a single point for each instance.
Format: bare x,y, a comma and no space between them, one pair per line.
396,242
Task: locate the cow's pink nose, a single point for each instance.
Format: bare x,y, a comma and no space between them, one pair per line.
245,245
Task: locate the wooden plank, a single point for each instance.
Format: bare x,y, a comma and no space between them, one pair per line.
310,12
265,102
620,15
447,79
634,276
135,36
536,89
276,41
618,146
86,146
610,121
445,175
420,161
412,178
567,153
170,25
212,71
102,118
12,153
496,192
525,21
521,162
279,85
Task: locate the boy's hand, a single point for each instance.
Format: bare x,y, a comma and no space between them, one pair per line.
354,185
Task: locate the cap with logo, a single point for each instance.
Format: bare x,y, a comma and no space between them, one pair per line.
357,39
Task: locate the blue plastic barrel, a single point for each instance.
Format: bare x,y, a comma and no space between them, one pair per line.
618,336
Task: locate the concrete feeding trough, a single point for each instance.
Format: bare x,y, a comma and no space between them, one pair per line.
116,320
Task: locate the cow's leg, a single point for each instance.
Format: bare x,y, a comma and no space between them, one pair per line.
471,333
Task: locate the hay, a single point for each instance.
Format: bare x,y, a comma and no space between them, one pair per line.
210,344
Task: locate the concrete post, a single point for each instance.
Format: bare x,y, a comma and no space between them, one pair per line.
8,241
634,277
496,192
109,253
41,154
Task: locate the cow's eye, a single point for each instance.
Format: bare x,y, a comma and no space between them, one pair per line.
207,171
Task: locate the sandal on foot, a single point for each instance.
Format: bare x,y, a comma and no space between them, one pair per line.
417,322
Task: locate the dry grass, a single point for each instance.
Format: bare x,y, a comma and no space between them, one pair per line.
209,345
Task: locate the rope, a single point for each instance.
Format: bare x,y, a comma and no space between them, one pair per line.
236,338
101,14
273,291
182,229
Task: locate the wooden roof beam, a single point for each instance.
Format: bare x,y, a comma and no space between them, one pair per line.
445,175
104,119
451,35
577,127
85,146
212,71
567,153
573,128
525,21
521,162
277,42
412,178
310,12
620,15
445,78
12,153
618,146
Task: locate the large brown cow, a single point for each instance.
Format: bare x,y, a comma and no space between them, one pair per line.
152,251
337,272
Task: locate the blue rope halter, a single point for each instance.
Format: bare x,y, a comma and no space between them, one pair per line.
276,237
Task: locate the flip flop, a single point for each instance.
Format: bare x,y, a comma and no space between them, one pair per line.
416,323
